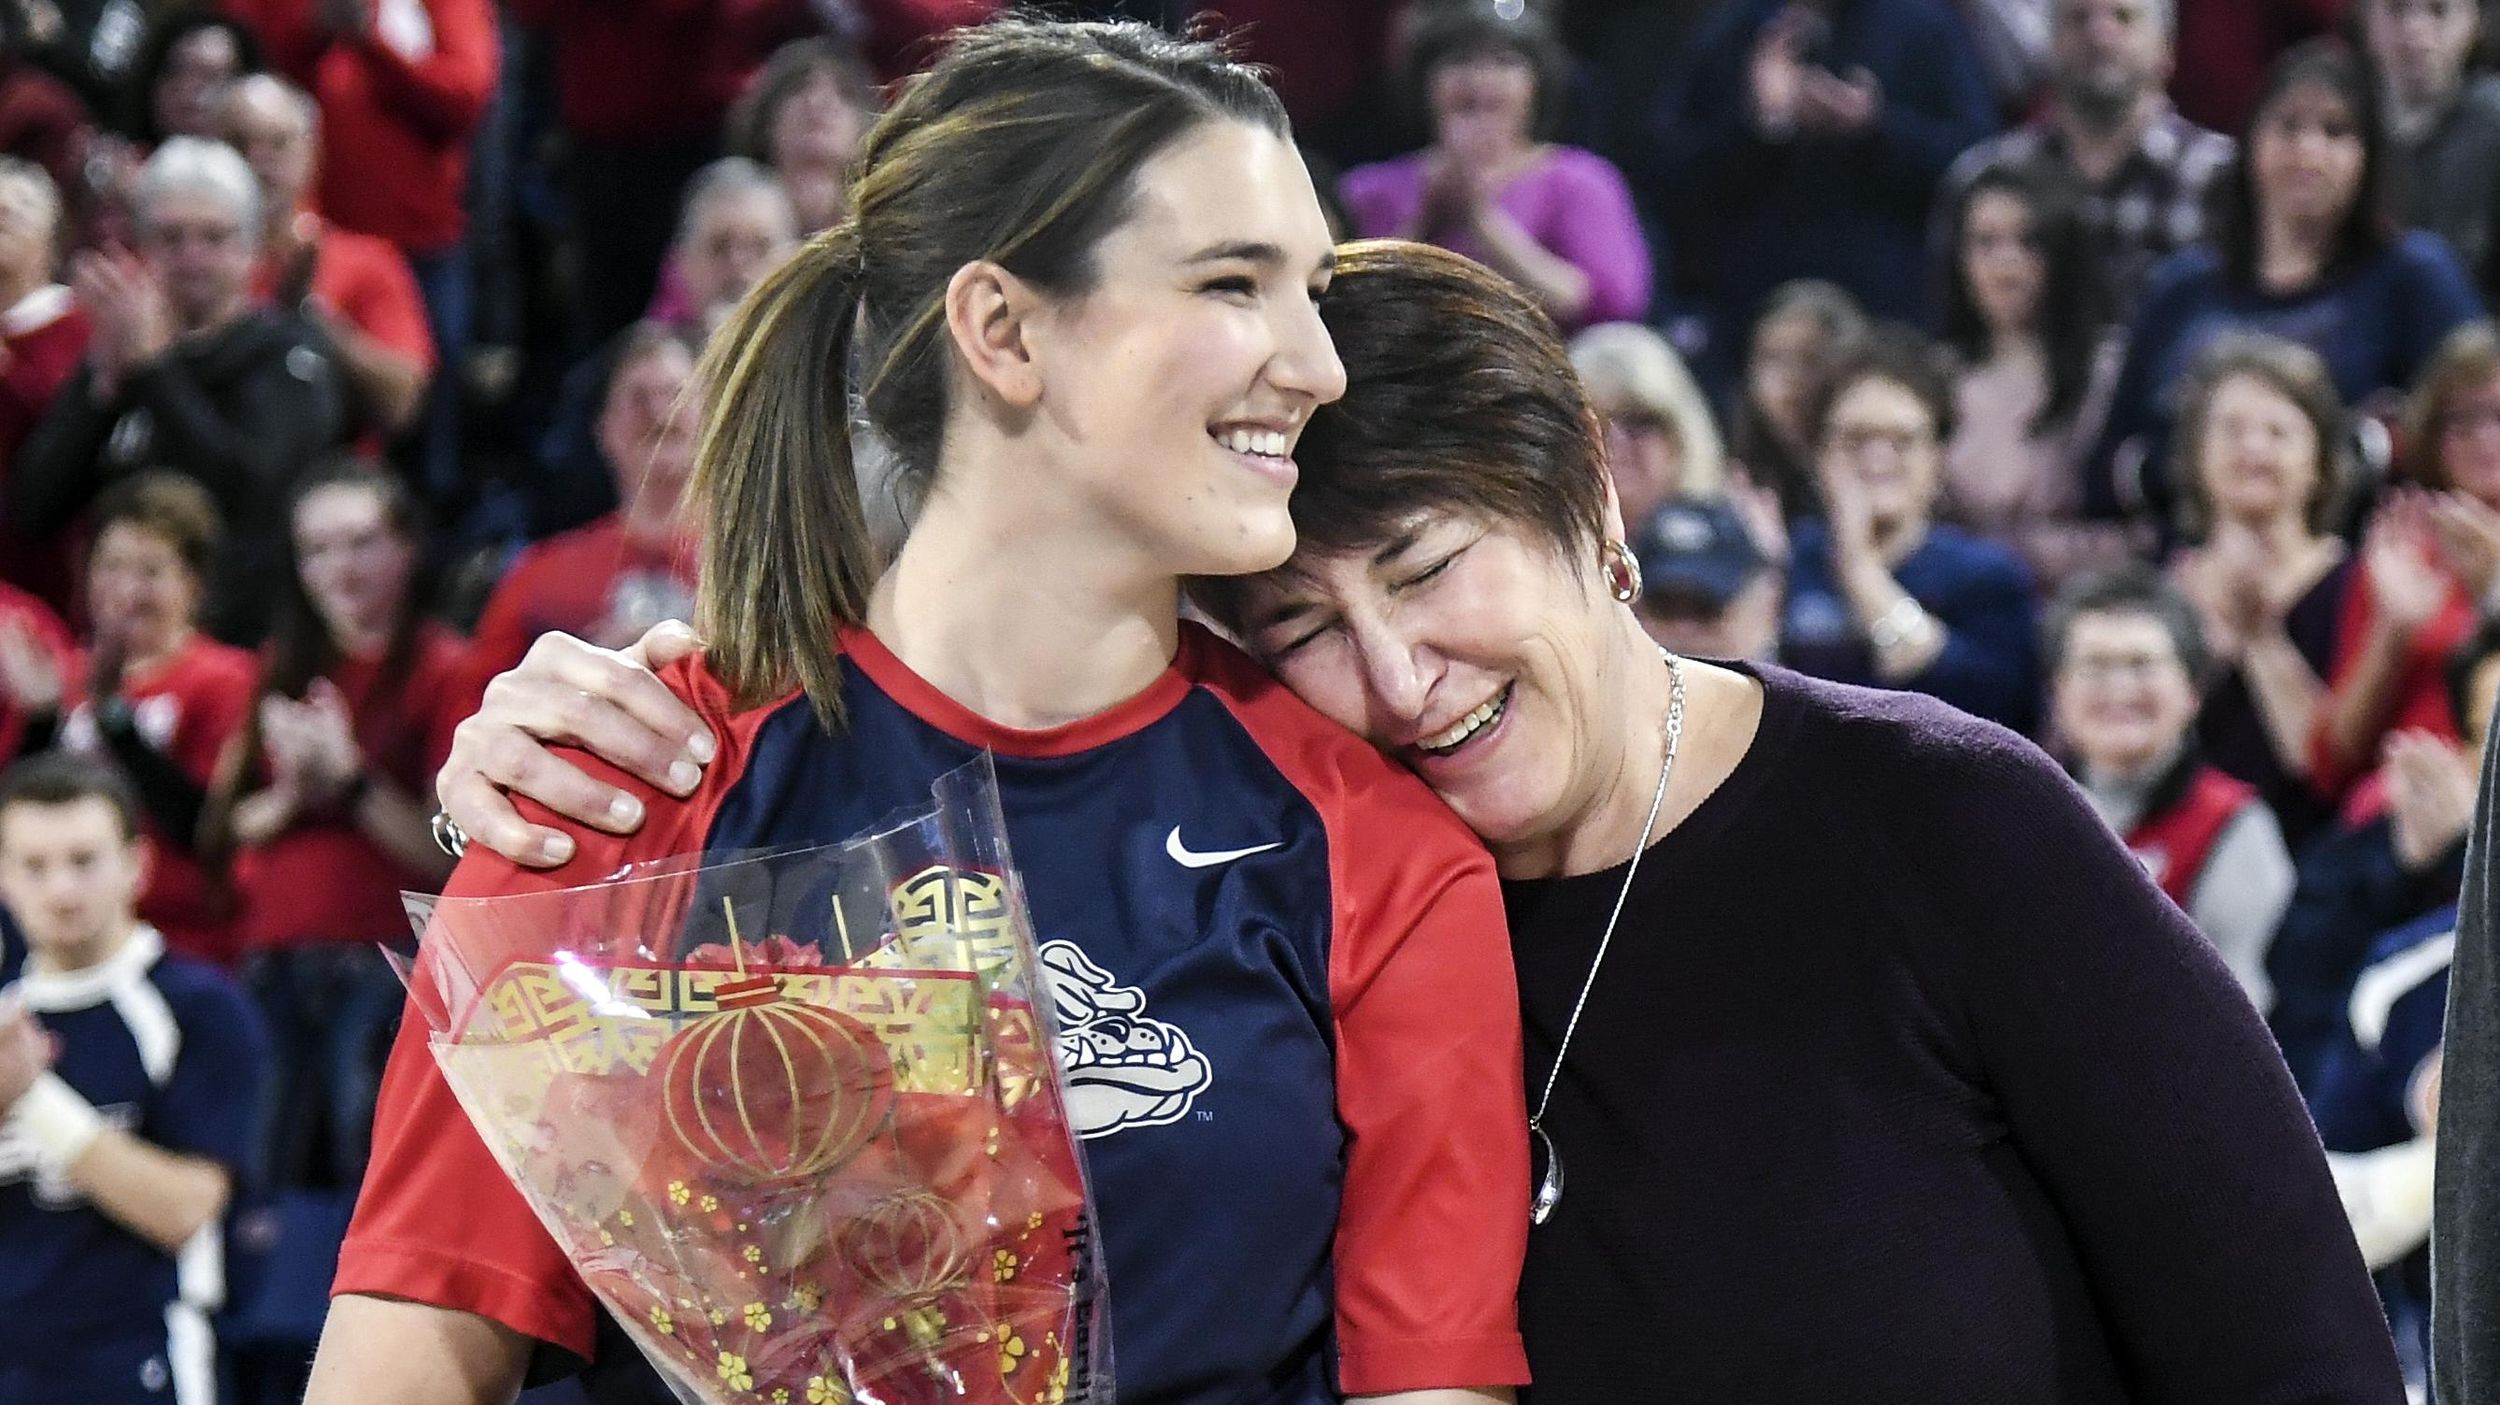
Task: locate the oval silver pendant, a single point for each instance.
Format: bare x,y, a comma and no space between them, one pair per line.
1549,1191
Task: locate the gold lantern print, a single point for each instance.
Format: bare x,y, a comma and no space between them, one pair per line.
910,1248
768,1089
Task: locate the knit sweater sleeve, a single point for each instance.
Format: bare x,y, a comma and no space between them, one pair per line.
2136,1083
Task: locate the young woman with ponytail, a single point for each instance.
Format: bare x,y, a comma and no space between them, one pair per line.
1078,299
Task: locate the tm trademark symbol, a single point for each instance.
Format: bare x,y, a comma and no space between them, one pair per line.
1204,1116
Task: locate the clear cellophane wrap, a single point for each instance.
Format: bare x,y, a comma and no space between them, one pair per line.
793,1116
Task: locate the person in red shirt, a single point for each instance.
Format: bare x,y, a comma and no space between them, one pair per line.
358,288
617,576
158,696
2431,566
43,335
402,86
320,808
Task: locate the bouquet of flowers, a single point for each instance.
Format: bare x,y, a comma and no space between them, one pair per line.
794,1116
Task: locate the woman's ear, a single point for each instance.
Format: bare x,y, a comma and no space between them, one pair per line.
989,315
1611,518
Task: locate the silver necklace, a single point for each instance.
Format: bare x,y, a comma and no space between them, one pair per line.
1549,1193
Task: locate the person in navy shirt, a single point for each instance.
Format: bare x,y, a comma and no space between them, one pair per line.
1085,263
131,1086
1879,592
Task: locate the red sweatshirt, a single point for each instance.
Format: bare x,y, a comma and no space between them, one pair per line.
398,107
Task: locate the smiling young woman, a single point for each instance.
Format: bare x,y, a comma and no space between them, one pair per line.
1304,1148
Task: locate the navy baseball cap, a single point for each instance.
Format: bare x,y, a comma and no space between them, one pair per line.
1696,547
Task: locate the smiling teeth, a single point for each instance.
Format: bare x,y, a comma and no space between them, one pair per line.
1267,443
1464,728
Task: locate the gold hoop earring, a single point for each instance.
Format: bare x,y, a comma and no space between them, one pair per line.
1622,570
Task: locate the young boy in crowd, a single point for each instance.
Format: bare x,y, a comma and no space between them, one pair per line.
2124,653
130,1094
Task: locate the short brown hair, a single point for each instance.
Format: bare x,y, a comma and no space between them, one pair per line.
2288,369
1459,397
2469,358
67,777
1896,354
167,505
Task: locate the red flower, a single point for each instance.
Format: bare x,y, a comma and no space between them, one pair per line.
778,953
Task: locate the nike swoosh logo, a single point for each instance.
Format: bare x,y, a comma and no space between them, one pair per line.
1187,858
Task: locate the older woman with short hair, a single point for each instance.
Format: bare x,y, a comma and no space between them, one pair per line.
2263,468
1862,1109
1879,592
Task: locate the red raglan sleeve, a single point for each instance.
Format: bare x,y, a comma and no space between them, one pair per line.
437,1221
1434,1222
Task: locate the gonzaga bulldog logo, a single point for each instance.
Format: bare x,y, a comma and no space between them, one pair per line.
1124,1069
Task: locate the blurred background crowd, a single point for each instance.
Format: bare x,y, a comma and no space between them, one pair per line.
2142,343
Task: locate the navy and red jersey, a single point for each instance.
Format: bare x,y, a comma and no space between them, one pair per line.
171,1052
1286,1010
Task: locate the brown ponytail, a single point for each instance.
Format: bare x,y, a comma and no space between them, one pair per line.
1021,147
786,550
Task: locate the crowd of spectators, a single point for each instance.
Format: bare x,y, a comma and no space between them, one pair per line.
2117,370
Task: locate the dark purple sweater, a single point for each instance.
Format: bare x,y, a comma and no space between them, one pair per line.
1902,1083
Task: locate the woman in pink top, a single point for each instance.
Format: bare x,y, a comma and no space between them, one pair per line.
1556,220
2034,386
